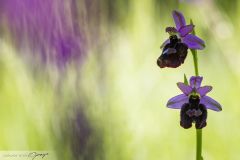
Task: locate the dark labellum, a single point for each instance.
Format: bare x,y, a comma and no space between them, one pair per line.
193,112
174,53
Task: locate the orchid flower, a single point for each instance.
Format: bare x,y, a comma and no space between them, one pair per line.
183,31
176,47
193,103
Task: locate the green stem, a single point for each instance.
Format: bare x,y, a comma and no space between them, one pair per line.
195,61
198,131
199,144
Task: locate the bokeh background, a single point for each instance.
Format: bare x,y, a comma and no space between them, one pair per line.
79,78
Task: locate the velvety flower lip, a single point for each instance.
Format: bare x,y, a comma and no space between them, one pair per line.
193,112
183,30
173,54
194,89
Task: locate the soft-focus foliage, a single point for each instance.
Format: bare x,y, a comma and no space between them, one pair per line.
110,104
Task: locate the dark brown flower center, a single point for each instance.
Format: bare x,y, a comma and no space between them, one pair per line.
174,53
193,112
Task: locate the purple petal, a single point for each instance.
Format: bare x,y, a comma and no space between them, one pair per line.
165,43
178,19
177,101
171,30
185,30
204,90
193,42
195,81
211,103
184,88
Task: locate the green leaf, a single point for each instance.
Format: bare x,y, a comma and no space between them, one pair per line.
185,79
193,32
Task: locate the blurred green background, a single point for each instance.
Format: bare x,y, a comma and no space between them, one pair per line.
113,105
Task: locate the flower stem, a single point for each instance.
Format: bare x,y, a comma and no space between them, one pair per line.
195,61
199,144
198,131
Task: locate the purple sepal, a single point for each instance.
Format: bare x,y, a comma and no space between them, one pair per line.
193,42
211,103
204,90
178,19
186,30
186,89
177,101
195,81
